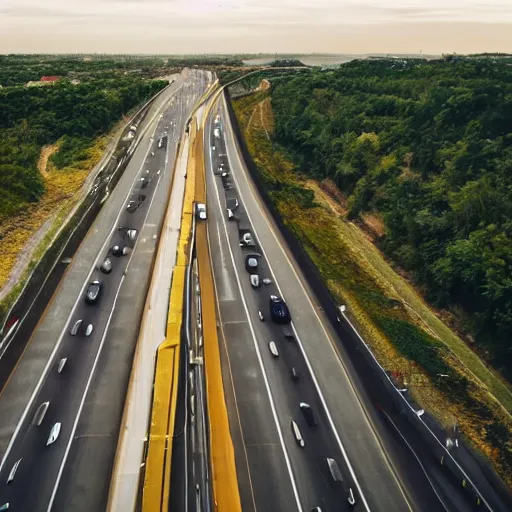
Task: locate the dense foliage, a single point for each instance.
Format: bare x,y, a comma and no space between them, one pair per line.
428,145
20,69
33,117
283,63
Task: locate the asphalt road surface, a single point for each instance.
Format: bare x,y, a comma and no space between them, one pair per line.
78,393
262,396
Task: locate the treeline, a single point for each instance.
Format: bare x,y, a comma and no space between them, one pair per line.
20,69
33,117
427,145
286,63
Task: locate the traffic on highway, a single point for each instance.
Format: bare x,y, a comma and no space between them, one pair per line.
313,470
293,400
36,457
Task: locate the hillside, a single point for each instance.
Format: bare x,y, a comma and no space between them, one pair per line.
427,147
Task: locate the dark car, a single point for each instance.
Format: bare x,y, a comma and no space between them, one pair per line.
106,266
279,310
252,263
93,292
308,414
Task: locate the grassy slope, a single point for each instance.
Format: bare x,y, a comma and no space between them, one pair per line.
405,335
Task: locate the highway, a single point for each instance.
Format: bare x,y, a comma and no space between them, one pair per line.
262,396
86,397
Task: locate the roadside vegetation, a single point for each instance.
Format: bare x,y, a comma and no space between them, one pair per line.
50,139
314,137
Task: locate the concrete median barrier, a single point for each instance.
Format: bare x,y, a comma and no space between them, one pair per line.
157,478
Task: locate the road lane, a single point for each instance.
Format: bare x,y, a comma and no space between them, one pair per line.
309,474
390,476
34,486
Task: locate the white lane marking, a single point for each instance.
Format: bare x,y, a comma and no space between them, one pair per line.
64,330
227,288
313,376
105,332
77,418
260,360
221,326
419,461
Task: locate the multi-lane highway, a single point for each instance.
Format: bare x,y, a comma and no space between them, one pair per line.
263,396
78,381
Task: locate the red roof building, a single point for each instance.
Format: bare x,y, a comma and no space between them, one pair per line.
50,78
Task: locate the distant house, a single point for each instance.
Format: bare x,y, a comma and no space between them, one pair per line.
50,78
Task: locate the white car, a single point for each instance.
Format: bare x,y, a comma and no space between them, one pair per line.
273,349
255,280
54,434
201,211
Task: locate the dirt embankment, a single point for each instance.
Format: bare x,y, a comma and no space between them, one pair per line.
46,153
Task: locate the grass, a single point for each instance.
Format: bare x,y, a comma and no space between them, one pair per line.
407,337
63,191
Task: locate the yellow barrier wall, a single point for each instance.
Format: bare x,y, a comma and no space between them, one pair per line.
224,478
157,478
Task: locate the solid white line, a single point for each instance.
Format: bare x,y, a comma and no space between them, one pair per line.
484,501
419,461
306,359
260,360
231,378
91,374
79,412
64,330
332,343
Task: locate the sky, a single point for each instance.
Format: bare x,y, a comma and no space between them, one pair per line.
254,26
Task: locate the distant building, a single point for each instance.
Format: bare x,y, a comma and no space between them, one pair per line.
50,78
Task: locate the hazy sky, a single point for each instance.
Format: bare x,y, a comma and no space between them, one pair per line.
230,26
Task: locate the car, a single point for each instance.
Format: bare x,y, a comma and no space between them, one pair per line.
144,182
308,414
131,234
252,263
294,373
232,204
93,292
62,364
76,327
89,330
334,470
296,433
12,474
201,211
279,311
273,349
288,334
255,280
106,266
118,250
132,206
54,434
247,240
41,413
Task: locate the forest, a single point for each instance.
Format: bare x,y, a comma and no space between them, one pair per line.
427,147
31,118
20,69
